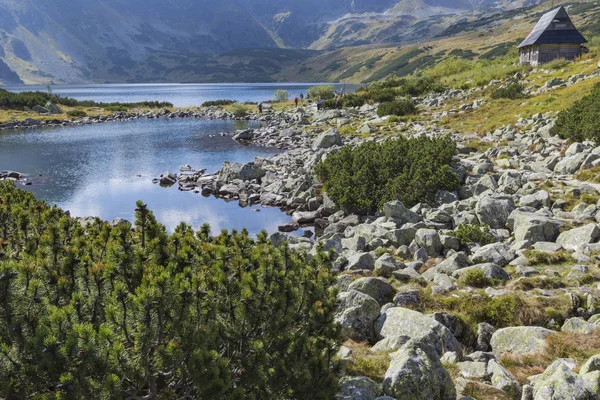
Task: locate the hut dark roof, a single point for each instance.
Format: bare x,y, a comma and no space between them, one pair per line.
555,27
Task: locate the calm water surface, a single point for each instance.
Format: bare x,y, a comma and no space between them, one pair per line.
102,170
181,95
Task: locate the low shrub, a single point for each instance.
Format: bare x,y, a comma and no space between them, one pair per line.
511,91
217,103
116,108
559,63
580,121
474,278
398,108
77,113
473,233
361,179
323,92
240,110
382,95
281,96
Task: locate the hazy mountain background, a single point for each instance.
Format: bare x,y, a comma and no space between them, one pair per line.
207,41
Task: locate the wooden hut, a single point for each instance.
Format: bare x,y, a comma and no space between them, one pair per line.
553,37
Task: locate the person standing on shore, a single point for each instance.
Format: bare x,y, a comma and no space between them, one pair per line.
296,101
260,108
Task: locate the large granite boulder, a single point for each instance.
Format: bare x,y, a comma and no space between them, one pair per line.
496,253
533,227
399,321
358,388
395,209
578,325
559,382
494,211
429,239
245,172
417,373
519,340
356,313
573,239
377,288
327,139
502,379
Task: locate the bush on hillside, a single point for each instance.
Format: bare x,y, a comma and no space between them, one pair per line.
281,96
323,92
218,103
361,179
511,91
240,110
382,95
76,113
473,233
398,108
132,311
580,121
20,101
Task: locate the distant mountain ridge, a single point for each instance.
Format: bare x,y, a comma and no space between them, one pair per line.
191,40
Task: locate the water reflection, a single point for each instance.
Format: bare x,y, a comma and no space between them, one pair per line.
102,170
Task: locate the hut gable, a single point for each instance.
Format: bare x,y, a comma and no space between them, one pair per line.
554,27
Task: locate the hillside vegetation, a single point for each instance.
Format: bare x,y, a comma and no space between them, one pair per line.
130,311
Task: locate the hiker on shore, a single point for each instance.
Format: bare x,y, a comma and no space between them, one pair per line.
260,108
319,104
338,103
296,101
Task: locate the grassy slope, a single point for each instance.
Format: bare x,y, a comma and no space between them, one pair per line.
362,63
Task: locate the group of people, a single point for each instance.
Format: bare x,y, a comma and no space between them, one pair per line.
299,99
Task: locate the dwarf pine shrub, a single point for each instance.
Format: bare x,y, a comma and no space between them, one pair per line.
361,179
580,121
132,311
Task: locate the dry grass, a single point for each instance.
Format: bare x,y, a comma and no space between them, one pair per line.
482,391
535,257
365,362
560,345
589,175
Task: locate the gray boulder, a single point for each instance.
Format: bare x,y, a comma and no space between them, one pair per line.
168,179
559,382
497,253
533,227
377,288
385,265
573,239
356,314
591,365
519,340
358,261
397,210
429,239
53,108
538,199
358,388
417,373
399,321
494,211
570,165
578,325
502,379
245,172
327,139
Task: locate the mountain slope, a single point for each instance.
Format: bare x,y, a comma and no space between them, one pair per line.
188,40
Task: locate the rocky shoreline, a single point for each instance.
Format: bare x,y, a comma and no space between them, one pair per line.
544,240
205,113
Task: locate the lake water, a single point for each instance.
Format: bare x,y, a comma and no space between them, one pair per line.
181,95
102,170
